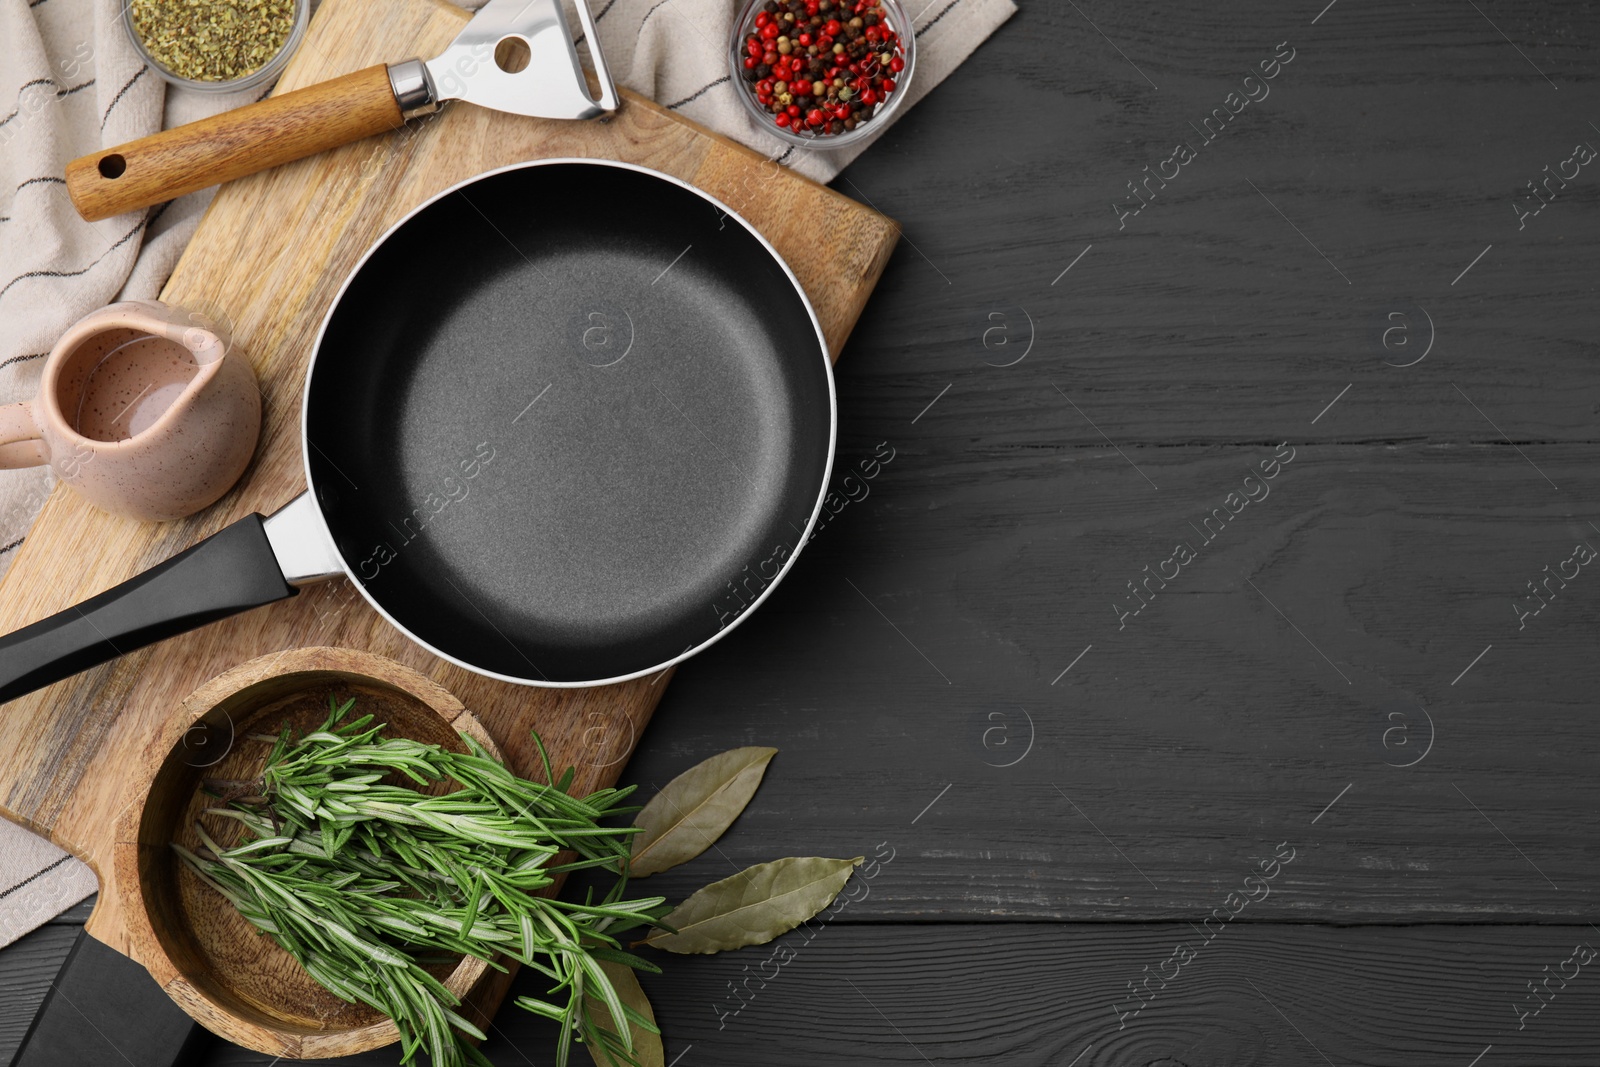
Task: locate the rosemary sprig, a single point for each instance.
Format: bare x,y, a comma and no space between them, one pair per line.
365,882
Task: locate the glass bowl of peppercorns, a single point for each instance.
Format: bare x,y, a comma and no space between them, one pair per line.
821,73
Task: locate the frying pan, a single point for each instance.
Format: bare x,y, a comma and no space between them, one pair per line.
564,425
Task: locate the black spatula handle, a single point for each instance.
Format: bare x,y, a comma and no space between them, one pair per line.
231,571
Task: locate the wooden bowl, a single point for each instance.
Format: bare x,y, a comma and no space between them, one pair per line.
210,960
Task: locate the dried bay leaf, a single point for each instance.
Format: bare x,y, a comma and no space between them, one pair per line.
754,906
696,808
647,1048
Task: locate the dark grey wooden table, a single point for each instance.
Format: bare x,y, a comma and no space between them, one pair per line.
1317,786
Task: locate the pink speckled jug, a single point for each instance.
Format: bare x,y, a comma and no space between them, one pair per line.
144,408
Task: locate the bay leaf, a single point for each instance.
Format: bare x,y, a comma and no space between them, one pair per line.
753,906
696,808
647,1048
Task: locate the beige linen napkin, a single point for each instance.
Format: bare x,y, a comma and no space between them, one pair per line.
71,83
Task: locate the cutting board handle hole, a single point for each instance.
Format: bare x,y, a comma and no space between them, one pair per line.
510,55
113,165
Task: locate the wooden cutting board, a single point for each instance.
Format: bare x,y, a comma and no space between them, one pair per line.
269,256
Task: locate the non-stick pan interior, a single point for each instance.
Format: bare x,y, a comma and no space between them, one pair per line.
567,421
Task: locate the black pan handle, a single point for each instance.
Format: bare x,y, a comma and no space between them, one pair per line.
103,1008
231,571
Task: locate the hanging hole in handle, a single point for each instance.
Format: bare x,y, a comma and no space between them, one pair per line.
112,166
512,55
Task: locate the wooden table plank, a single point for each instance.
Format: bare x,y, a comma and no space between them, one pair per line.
1363,995
1396,141
1043,995
1208,729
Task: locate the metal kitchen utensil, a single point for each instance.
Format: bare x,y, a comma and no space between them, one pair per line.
516,56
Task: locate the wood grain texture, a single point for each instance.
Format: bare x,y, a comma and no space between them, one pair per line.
1049,994
246,140
270,255
1048,997
1396,141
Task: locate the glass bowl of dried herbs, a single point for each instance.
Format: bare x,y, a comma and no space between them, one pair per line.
216,45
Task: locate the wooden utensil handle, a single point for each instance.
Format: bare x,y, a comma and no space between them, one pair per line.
235,143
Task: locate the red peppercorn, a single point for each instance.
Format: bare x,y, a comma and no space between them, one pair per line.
897,64
793,110
814,118
762,18
805,38
887,85
769,31
750,64
832,28
869,97
782,119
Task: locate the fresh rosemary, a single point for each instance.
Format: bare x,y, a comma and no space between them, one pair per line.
362,881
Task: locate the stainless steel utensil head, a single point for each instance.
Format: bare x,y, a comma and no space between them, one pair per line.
518,56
